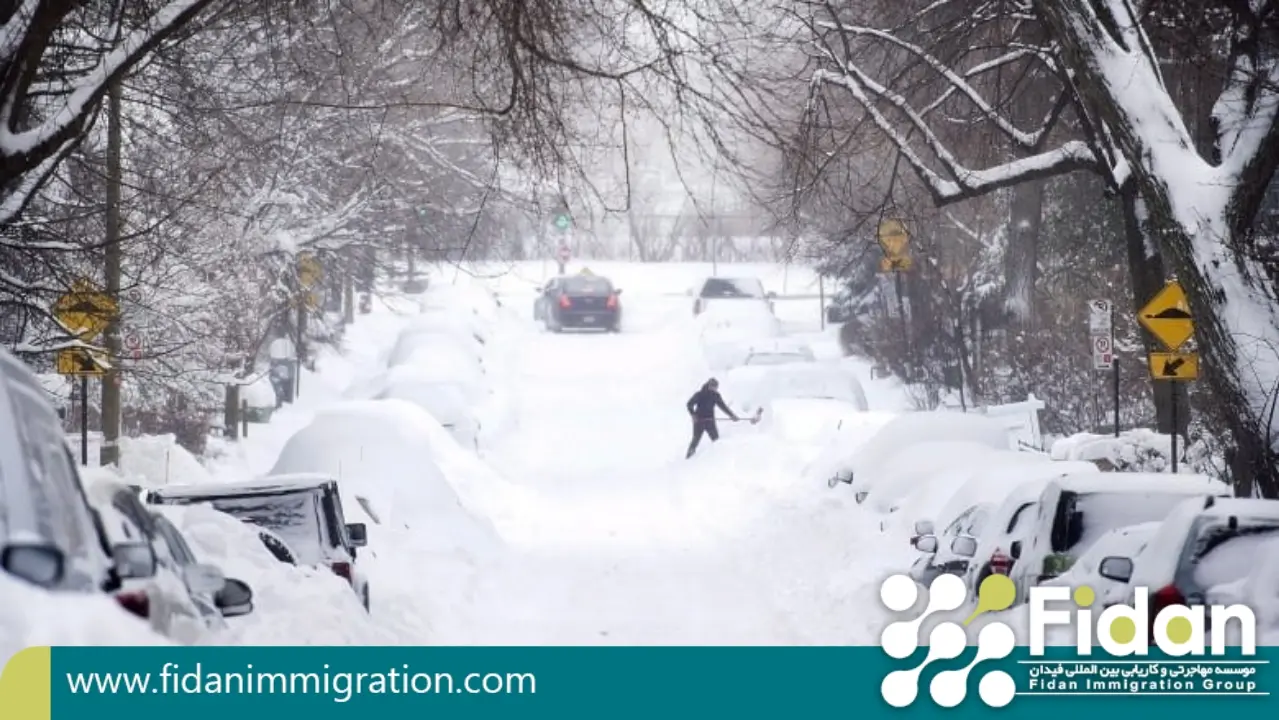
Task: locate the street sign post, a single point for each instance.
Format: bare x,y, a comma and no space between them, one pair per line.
1101,337
1167,316
562,255
84,311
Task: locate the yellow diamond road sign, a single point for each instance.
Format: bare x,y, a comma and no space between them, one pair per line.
309,270
85,311
80,362
1167,317
893,238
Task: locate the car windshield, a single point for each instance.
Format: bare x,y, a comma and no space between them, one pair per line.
732,288
587,285
294,517
1223,555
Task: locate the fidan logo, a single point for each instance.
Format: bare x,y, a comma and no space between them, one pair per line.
1121,630
947,640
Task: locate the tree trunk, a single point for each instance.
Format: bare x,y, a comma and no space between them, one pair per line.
231,412
1021,259
1146,274
348,299
109,454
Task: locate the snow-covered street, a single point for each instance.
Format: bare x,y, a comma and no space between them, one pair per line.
608,535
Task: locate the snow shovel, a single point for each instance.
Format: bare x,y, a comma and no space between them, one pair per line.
753,420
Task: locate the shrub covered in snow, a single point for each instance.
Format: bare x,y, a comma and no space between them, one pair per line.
1139,450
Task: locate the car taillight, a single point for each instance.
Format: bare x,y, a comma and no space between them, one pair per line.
612,302
342,569
1165,596
565,302
135,602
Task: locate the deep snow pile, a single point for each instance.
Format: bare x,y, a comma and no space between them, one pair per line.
30,616
292,605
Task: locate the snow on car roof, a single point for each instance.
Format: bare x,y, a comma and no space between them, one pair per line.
266,485
1125,482
1246,507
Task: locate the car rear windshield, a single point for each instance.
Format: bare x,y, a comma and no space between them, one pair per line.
587,285
293,516
732,288
1223,555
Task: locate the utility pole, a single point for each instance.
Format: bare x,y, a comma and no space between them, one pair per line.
112,255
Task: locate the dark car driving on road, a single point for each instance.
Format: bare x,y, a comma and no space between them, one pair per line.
579,301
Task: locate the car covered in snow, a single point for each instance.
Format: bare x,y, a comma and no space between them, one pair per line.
1074,511
860,465
306,510
741,291
761,387
50,535
782,351
161,581
449,402
1206,551
727,333
1106,567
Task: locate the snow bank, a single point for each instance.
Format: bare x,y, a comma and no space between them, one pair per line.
291,605
31,616
157,460
396,455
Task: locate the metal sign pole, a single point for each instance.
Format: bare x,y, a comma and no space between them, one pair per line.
84,420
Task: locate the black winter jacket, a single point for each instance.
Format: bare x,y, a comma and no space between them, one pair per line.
703,403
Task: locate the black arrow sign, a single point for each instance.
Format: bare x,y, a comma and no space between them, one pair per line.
1171,367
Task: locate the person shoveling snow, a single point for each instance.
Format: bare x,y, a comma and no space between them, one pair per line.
701,407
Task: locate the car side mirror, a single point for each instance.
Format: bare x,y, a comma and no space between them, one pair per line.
134,560
926,544
1014,551
617,291
42,565
234,599
924,527
861,496
358,533
964,546
204,579
1116,568
771,295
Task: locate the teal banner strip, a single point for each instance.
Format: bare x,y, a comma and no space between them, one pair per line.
644,683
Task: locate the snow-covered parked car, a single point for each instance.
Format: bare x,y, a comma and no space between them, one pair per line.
965,510
1074,511
1211,550
728,332
50,535
781,351
1106,567
161,582
305,509
860,465
415,338
716,292
446,401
